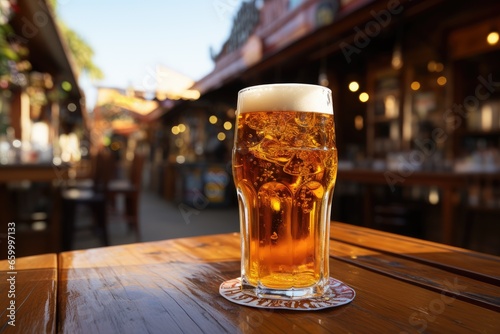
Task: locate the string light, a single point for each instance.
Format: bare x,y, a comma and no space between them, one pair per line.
364,97
221,136
397,57
353,86
66,86
441,81
493,37
358,122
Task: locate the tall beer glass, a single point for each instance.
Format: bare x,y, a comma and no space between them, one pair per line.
284,169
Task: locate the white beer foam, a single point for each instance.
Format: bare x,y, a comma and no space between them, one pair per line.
285,97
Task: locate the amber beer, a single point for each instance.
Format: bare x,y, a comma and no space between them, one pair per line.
284,168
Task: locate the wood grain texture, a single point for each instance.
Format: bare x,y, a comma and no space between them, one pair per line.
428,277
172,287
35,291
149,287
465,262
33,172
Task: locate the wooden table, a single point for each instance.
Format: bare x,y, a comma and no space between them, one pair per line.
32,242
403,285
33,172
28,294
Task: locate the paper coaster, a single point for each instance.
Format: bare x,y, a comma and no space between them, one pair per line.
338,294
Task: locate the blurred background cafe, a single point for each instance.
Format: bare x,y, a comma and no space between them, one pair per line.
416,89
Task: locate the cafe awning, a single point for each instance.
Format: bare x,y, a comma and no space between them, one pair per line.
35,28
124,100
171,87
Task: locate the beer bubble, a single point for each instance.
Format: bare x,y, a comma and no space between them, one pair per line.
319,139
304,163
306,195
251,140
315,188
305,119
274,236
273,150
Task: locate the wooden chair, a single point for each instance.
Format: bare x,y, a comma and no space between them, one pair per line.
94,197
130,188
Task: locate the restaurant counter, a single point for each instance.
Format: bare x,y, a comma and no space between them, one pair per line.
450,184
402,285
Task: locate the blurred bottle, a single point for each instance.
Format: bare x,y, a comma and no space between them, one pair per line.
9,148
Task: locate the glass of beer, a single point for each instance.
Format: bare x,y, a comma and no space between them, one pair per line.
284,169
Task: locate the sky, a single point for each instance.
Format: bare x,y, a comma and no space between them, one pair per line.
130,38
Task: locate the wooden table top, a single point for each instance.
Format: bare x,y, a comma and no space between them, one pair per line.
402,285
33,172
28,290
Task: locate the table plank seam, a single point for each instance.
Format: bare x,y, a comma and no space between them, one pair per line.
414,241
459,296
452,269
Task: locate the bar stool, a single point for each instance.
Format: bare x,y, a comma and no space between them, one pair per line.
94,198
130,188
